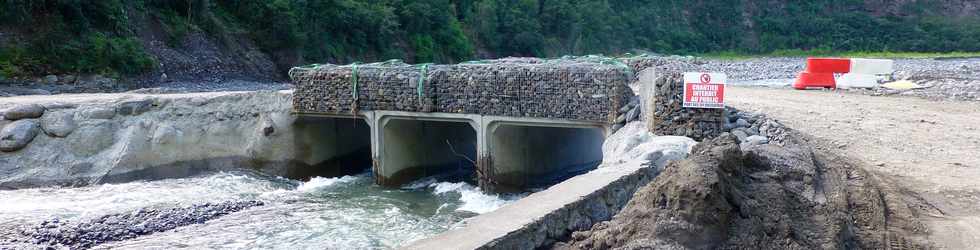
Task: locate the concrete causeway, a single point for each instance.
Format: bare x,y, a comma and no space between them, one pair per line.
518,124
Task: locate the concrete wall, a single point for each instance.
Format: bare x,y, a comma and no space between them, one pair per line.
125,137
334,146
550,215
413,148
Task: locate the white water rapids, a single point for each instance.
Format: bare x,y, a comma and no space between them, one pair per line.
347,212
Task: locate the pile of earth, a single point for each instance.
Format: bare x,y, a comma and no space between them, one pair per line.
785,194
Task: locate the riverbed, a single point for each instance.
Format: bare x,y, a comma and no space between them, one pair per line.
348,212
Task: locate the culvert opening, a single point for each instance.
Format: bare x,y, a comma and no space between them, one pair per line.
533,157
331,147
414,149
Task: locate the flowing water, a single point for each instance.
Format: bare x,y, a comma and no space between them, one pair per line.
347,212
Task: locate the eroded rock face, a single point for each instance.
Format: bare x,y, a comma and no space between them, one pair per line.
134,107
28,111
91,138
17,135
98,113
118,138
59,123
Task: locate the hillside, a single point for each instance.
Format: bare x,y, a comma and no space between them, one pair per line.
214,40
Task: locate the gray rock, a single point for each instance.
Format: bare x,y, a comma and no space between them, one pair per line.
753,141
740,133
68,78
633,114
625,108
49,79
752,131
728,126
756,139
615,127
88,140
680,132
80,168
742,123
99,113
58,124
621,118
58,105
165,134
24,112
17,135
134,107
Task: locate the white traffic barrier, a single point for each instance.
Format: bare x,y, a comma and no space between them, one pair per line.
856,80
872,66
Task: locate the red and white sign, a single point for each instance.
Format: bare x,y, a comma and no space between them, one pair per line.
704,90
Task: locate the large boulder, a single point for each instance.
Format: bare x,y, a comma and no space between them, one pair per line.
91,139
58,124
101,113
134,107
27,111
17,135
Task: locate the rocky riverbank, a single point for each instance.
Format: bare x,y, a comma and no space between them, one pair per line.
117,227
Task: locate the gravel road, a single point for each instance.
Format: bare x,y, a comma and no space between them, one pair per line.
929,147
942,79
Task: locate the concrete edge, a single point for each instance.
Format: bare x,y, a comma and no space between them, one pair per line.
548,216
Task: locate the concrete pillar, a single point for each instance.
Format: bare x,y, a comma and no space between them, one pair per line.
510,154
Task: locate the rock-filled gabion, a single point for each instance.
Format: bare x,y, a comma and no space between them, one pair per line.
583,89
670,118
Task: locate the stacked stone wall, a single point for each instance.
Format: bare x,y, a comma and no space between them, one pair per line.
569,89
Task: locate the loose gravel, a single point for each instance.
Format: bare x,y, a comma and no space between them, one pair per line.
116,227
942,79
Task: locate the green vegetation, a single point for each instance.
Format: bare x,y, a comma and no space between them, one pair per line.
99,36
71,37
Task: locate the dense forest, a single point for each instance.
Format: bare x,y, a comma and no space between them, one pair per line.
100,36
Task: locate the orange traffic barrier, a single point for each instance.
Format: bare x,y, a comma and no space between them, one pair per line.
828,65
814,80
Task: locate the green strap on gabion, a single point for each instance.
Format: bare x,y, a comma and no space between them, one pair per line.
423,71
354,79
617,62
476,62
605,60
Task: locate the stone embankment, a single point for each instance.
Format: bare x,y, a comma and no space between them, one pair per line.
81,139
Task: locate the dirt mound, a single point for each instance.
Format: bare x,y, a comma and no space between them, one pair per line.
782,195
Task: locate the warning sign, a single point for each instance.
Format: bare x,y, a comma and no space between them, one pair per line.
704,90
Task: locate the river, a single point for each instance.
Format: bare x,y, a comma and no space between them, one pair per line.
347,212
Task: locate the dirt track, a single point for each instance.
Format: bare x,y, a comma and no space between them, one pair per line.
929,148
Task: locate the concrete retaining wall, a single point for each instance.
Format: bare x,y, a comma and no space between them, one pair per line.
123,137
550,215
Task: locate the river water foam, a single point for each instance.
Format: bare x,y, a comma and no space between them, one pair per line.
347,212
